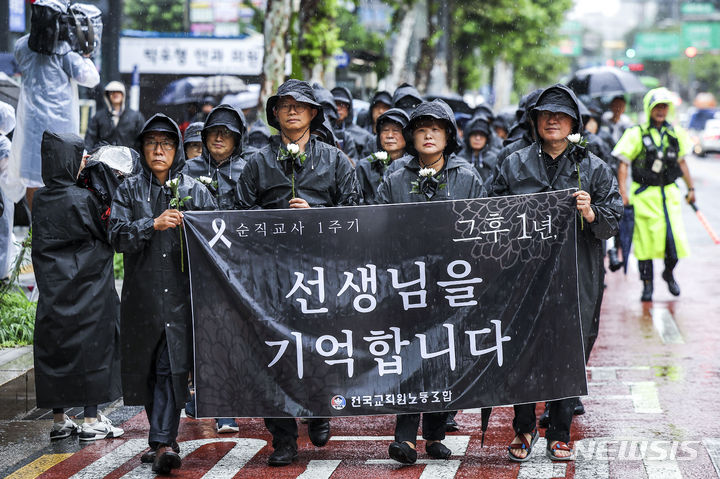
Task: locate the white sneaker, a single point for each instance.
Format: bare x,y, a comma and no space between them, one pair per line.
100,429
61,430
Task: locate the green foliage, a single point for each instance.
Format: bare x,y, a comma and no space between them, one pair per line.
155,15
118,266
356,39
17,319
319,35
518,32
705,68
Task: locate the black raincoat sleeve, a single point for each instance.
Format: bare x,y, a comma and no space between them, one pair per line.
246,189
346,191
128,235
605,200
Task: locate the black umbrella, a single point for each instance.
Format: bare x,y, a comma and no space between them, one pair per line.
219,85
484,420
180,91
605,81
627,224
9,90
456,102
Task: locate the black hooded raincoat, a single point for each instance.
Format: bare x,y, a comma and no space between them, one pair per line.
524,172
155,295
77,325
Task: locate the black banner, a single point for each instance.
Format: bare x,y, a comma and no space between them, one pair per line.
385,309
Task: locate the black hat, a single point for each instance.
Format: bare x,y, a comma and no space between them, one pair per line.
302,92
437,110
192,132
162,123
326,100
557,100
342,94
395,115
227,116
381,96
406,97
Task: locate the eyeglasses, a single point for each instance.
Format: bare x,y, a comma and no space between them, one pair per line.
222,132
165,145
546,115
286,107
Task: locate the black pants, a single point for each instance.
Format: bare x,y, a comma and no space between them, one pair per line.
646,267
285,431
88,411
162,411
561,415
433,426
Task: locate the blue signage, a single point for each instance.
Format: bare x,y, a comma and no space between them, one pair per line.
17,16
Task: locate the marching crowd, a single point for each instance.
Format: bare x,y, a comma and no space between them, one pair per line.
124,187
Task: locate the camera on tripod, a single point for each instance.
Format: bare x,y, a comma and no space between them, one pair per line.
56,27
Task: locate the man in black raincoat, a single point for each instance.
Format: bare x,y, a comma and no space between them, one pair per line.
432,173
156,330
345,125
554,163
192,141
479,149
258,136
115,124
379,104
390,147
521,134
77,325
296,170
333,136
221,164
407,98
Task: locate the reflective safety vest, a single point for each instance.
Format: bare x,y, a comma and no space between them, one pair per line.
657,166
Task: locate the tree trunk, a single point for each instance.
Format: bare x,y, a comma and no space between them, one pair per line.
400,50
427,51
439,75
502,83
275,30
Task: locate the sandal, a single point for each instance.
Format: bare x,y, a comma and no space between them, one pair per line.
559,446
524,444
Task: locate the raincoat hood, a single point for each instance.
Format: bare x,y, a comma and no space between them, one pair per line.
406,97
7,118
160,122
327,101
62,154
299,90
381,96
438,110
193,132
558,98
106,169
525,106
342,94
655,97
479,123
326,134
259,134
395,115
114,86
229,117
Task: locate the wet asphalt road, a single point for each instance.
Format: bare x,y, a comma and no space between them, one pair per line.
651,413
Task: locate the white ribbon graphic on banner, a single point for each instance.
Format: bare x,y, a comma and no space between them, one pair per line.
219,230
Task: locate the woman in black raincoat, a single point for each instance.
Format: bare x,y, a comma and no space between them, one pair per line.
431,173
77,325
390,147
296,170
479,149
221,164
553,162
156,330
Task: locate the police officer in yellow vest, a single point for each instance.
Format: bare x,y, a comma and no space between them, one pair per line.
656,151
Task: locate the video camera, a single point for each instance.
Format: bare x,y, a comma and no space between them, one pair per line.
57,27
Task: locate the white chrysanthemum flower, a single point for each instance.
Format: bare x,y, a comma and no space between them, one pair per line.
293,148
205,180
574,138
381,155
427,172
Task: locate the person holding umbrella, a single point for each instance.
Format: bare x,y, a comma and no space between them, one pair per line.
655,152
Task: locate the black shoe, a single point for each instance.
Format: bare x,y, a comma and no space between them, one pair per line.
282,456
450,424
165,460
438,450
402,453
319,431
613,261
148,456
544,420
672,284
647,291
579,408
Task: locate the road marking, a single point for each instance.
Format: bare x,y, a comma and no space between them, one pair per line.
662,470
434,468
226,468
320,469
38,466
712,444
457,444
665,325
645,397
539,466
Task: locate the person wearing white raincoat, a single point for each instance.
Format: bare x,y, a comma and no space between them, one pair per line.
7,124
48,100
